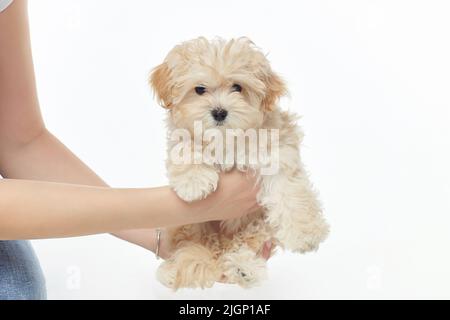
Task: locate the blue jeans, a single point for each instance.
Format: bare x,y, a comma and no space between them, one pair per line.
21,277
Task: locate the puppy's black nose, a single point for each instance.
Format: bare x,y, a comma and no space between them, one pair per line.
219,114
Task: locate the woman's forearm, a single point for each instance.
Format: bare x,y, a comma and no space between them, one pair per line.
45,158
33,210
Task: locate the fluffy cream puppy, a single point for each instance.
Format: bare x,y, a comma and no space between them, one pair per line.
230,85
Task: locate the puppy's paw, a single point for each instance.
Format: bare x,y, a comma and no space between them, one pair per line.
192,266
244,268
195,184
303,237
167,274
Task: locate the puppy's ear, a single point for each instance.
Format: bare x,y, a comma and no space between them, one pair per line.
159,81
275,89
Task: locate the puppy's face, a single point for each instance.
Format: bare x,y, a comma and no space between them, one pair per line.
222,84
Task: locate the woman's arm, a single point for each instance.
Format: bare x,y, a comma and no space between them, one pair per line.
45,158
31,209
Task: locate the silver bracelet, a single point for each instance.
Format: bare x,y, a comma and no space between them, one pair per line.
158,243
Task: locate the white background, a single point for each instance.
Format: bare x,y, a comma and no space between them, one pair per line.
371,80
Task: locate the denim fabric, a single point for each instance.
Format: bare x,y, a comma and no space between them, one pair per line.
21,277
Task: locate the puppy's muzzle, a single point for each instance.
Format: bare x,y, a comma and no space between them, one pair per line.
219,114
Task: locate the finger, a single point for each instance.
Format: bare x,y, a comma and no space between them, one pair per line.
267,248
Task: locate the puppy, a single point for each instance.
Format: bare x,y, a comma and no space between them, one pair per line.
229,85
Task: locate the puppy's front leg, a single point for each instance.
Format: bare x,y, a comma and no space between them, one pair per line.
293,210
193,181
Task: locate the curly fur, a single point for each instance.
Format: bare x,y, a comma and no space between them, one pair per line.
291,214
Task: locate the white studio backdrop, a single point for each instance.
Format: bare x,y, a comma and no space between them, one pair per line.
371,80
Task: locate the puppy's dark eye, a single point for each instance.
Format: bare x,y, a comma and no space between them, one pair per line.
236,88
200,90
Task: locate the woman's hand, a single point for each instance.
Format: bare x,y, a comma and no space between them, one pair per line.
235,197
